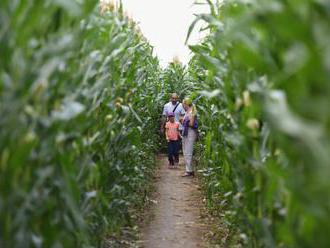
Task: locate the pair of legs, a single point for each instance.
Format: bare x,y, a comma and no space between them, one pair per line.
173,151
188,148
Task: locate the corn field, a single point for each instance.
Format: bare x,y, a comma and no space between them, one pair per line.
74,85
80,98
264,71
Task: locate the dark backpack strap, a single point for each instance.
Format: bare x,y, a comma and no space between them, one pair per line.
175,107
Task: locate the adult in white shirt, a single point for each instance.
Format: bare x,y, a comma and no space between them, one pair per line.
173,106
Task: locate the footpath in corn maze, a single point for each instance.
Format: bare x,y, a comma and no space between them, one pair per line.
175,219
81,99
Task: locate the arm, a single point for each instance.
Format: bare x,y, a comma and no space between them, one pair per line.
178,130
166,134
163,120
181,119
180,136
162,123
182,114
191,120
181,109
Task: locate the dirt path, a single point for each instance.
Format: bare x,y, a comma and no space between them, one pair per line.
175,216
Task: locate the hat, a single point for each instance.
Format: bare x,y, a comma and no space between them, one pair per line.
170,114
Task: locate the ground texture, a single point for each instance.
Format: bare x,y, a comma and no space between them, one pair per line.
174,219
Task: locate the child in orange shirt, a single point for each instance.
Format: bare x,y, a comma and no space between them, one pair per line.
172,136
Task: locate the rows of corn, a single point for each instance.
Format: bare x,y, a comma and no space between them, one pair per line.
80,97
78,122
263,74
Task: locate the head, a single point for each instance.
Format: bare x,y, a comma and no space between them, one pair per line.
174,98
187,103
171,117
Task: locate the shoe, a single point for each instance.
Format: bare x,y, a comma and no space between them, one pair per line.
188,174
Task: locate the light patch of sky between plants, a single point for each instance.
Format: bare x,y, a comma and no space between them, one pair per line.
165,25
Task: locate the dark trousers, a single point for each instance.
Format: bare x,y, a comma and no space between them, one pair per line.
173,151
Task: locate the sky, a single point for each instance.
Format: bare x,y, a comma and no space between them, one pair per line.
165,24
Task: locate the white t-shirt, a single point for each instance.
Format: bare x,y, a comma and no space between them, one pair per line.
179,111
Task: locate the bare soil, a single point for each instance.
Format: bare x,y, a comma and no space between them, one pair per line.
174,219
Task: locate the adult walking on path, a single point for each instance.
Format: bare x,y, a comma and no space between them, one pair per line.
189,134
173,106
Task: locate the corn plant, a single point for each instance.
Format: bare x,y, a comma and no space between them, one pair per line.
78,123
264,71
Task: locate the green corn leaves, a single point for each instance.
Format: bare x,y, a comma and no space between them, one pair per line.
76,150
80,97
264,73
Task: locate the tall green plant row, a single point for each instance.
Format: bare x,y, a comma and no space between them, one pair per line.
80,97
77,126
264,72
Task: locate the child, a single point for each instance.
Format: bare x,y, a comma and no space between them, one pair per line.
172,136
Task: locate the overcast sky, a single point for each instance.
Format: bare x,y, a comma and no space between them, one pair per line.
165,24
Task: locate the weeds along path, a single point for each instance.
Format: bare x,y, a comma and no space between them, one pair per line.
174,219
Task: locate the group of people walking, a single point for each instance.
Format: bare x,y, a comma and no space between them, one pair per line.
179,124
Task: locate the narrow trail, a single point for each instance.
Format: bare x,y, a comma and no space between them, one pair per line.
174,219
